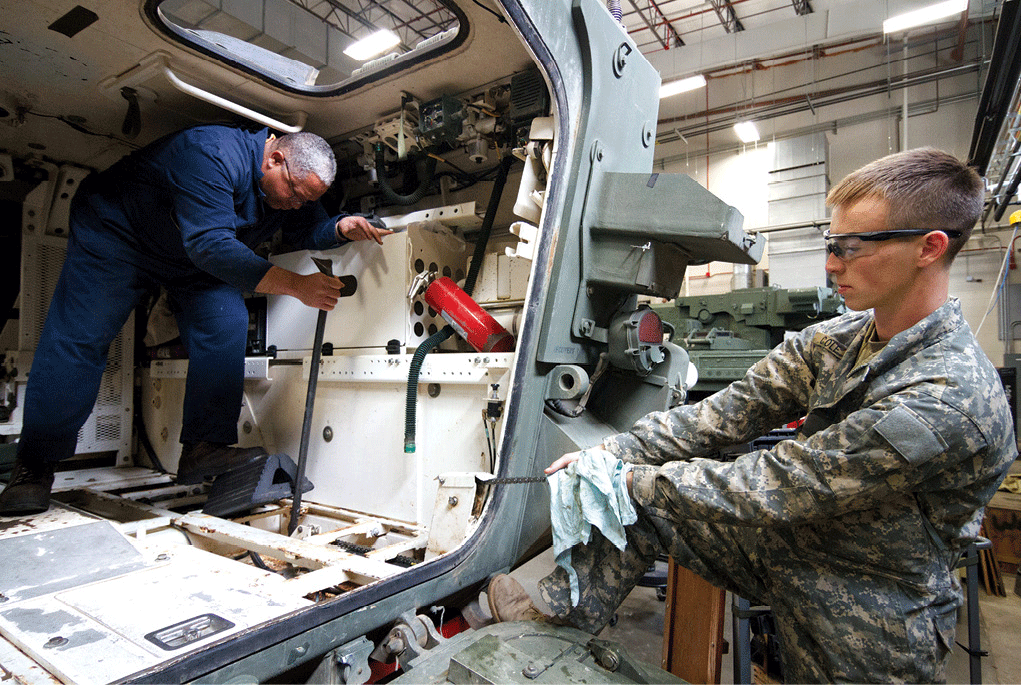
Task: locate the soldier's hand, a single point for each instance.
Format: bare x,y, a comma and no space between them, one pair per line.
358,228
562,462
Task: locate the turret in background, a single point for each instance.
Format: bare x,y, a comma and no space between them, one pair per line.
725,334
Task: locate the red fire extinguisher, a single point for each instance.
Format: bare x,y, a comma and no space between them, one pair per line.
465,316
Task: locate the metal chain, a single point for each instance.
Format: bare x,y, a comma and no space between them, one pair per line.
514,481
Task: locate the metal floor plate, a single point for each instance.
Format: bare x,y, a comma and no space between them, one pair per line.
91,605
41,563
107,630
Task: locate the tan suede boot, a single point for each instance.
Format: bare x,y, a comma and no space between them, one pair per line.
508,601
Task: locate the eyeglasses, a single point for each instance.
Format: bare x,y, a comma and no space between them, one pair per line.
294,199
848,246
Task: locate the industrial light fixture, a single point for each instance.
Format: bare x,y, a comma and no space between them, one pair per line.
746,131
926,15
372,45
681,86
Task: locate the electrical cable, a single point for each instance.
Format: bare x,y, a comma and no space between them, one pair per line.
449,163
493,12
81,129
1001,280
489,440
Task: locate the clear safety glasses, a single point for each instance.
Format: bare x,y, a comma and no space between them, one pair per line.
294,199
848,246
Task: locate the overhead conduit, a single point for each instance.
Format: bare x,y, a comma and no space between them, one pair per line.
1000,96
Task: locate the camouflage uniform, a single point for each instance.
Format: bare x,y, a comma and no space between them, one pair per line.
852,531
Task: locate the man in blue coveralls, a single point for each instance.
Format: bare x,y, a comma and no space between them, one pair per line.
185,213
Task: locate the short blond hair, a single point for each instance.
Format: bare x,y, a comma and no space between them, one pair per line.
923,188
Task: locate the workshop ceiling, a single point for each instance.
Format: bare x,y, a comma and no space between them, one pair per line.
765,59
808,45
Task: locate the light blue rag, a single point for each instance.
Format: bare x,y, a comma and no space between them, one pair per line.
591,491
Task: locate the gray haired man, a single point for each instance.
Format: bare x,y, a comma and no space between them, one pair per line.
183,213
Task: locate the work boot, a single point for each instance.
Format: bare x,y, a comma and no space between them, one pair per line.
205,460
28,491
508,601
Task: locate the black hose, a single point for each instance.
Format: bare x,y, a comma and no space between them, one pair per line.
487,224
142,313
143,437
411,402
257,561
434,340
558,407
389,193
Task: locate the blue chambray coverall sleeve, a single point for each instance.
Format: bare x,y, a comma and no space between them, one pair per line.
852,530
217,205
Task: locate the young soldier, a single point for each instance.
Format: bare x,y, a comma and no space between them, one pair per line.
851,531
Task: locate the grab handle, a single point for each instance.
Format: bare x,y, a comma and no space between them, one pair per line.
226,104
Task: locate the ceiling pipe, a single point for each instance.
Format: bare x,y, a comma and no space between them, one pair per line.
926,107
797,104
798,90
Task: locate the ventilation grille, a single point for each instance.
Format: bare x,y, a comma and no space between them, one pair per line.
528,96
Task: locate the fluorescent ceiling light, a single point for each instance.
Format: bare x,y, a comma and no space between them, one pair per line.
926,15
372,45
746,131
681,86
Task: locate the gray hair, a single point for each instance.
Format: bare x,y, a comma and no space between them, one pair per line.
307,154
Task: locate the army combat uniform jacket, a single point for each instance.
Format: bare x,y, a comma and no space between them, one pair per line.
851,532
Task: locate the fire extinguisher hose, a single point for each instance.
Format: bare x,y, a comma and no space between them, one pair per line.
433,341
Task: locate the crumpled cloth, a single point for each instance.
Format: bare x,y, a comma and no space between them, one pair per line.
1011,483
591,491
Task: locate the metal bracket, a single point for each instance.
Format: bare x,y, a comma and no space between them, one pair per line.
620,59
616,660
419,283
348,663
409,638
566,382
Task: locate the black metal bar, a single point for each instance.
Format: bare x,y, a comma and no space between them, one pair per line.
974,636
1004,68
671,37
802,7
326,267
306,426
728,18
